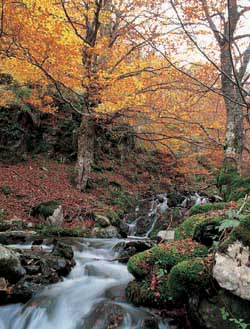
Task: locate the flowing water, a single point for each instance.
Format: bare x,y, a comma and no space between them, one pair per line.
158,206
91,297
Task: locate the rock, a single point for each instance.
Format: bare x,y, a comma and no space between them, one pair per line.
166,235
101,220
10,265
15,237
187,277
208,312
107,232
45,209
166,255
3,290
126,249
123,229
232,270
207,232
63,250
14,224
57,217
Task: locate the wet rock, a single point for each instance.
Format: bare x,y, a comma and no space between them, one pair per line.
107,232
232,270
127,249
10,265
39,268
3,289
62,250
102,221
112,316
16,237
123,229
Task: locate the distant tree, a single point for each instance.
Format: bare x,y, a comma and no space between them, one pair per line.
224,20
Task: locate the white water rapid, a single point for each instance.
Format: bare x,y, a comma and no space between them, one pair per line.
91,297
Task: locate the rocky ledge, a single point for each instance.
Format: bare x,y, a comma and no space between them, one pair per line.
24,272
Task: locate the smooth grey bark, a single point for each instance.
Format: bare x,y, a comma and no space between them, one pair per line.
231,82
85,153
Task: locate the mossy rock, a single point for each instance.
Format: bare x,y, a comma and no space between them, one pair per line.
139,265
45,209
54,230
240,233
164,256
186,229
207,232
205,208
188,276
147,294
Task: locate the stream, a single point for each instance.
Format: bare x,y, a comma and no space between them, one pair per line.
91,297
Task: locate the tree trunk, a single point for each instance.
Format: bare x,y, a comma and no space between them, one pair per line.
85,154
235,133
235,136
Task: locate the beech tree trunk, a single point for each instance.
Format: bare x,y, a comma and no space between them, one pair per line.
85,154
235,136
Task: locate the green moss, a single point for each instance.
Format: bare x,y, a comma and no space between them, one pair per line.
117,197
147,294
45,209
112,214
139,265
187,228
186,277
233,186
6,190
165,256
241,233
205,208
53,230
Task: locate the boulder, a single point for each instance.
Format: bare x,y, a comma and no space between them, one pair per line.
232,269
15,237
223,310
107,232
57,217
10,265
166,235
102,221
127,249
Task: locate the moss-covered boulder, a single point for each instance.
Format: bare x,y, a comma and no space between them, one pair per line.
45,230
240,233
45,209
152,292
165,256
187,277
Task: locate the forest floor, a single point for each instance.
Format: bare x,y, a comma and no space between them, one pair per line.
39,179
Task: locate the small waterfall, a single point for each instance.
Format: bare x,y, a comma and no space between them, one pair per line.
160,205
